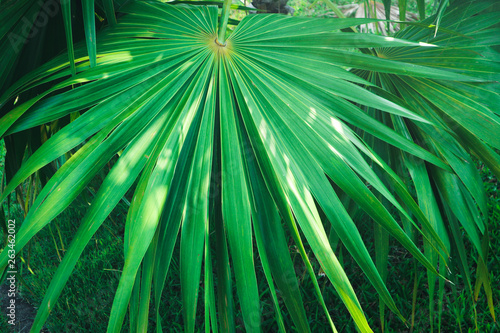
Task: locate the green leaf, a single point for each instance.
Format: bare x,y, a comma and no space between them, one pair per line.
421,9
273,249
236,206
66,11
90,32
114,187
110,12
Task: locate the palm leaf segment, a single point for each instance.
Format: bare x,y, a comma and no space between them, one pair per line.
265,113
465,116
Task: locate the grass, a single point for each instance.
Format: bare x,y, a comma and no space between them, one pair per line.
85,303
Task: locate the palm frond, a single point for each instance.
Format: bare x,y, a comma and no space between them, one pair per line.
461,113
277,117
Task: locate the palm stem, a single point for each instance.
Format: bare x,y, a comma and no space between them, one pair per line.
224,17
337,11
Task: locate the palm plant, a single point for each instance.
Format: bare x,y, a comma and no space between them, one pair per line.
376,10
235,138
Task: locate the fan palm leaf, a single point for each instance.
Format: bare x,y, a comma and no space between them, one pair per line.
243,136
462,111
